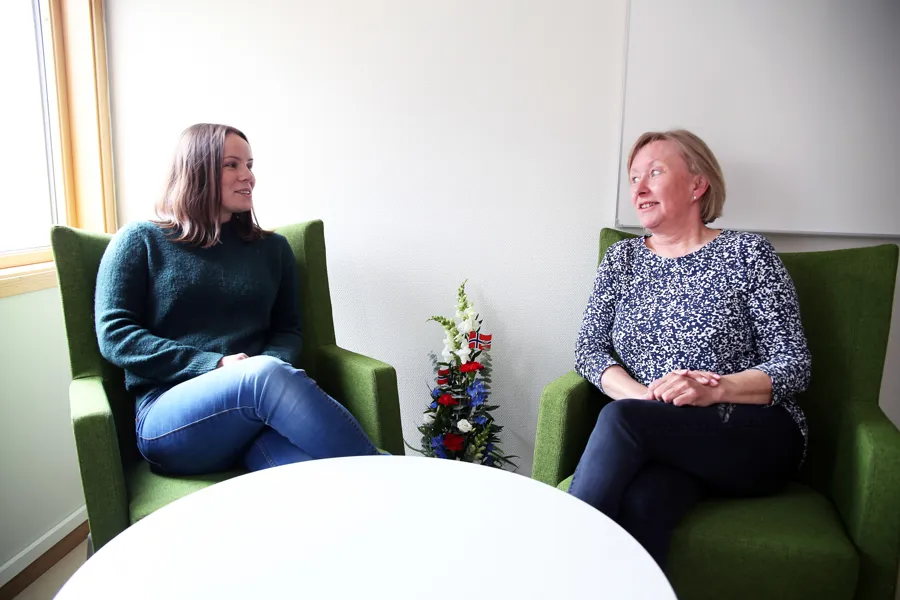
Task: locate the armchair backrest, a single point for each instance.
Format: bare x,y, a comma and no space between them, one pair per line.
846,297
308,242
77,254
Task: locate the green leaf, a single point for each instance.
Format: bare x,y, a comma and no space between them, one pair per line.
408,445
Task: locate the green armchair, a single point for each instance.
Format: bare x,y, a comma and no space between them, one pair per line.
835,532
119,488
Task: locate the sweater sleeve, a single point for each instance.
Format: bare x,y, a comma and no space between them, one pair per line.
775,319
286,335
594,348
120,309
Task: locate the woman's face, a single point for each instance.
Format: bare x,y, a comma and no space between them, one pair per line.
237,177
662,187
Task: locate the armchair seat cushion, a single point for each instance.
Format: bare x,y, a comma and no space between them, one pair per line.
149,491
791,545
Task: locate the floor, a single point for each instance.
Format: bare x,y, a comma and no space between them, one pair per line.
48,584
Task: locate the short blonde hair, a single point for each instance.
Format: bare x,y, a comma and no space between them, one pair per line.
700,161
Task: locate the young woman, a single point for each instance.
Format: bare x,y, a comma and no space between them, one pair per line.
201,308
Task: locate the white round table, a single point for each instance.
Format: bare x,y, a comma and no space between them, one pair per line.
373,527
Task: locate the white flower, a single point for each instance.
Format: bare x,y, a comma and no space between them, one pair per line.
464,426
465,327
451,341
447,354
471,314
463,354
428,418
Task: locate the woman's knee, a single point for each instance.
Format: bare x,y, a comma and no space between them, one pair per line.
621,413
265,377
264,367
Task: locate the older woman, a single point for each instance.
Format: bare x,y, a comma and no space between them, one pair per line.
695,334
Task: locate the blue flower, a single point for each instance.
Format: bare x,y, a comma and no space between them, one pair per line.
480,420
487,449
489,461
435,392
437,444
433,404
477,392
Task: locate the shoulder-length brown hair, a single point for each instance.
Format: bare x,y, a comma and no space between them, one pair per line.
191,204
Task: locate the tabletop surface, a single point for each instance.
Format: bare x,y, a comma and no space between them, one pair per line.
373,527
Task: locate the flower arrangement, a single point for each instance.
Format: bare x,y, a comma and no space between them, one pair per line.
458,423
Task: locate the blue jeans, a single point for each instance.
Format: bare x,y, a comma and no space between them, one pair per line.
260,412
647,462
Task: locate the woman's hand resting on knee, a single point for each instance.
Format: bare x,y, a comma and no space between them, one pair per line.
232,358
685,387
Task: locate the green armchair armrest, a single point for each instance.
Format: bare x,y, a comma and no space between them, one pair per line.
367,388
865,488
102,476
568,412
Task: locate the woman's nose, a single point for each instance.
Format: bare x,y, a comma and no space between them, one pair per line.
640,188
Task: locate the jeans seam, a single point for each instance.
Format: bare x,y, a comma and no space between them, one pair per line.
152,462
266,455
185,426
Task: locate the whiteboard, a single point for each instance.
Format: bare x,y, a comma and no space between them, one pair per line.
798,99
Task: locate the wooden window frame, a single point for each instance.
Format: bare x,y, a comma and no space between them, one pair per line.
78,40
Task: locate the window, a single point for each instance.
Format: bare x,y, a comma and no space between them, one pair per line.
56,146
30,120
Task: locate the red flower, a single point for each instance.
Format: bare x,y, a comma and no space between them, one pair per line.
453,442
447,400
471,366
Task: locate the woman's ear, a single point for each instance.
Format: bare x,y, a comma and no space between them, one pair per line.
701,184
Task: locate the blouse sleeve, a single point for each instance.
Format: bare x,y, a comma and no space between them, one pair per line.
594,348
775,319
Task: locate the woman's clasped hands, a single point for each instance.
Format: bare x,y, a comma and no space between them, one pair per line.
686,387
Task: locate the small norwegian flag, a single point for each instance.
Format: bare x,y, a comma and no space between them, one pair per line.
480,341
443,377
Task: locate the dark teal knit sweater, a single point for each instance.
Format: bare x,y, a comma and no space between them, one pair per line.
166,312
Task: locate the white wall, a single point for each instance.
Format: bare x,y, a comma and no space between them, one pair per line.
40,487
437,140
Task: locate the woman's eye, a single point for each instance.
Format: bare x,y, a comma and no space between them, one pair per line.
231,165
655,172
250,166
634,180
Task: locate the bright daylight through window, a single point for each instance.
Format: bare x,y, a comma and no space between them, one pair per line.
29,121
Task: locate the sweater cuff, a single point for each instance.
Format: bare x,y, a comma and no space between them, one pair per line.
205,362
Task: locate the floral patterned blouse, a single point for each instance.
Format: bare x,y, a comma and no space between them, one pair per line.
728,307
